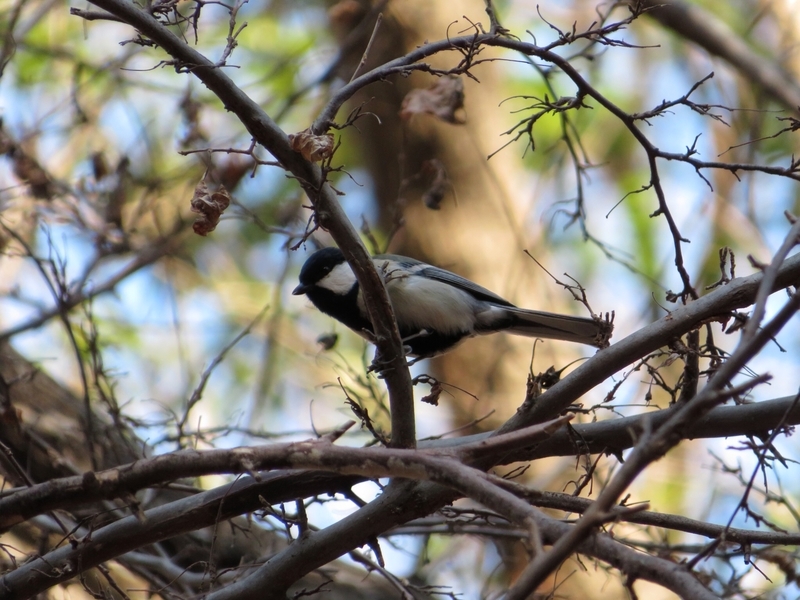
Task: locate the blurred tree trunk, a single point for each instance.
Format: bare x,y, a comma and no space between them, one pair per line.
46,428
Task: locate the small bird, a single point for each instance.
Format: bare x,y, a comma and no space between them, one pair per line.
435,309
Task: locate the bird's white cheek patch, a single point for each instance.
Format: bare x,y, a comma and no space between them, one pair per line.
339,280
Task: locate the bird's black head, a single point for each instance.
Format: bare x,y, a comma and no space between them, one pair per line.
331,286
316,267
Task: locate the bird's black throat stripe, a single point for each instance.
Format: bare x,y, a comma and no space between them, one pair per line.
342,308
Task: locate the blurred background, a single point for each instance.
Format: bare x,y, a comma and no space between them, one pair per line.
104,287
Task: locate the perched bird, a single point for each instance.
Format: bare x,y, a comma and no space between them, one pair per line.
435,309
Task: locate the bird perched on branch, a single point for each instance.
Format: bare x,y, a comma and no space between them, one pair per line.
435,309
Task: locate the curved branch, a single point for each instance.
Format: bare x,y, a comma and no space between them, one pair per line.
608,437
65,563
396,504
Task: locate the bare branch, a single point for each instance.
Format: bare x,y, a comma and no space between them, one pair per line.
328,210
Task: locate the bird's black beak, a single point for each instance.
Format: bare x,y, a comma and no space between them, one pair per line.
300,290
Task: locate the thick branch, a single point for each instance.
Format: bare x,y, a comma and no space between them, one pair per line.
165,522
69,492
611,437
616,435
739,293
65,563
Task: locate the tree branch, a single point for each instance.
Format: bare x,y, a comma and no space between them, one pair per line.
707,31
310,177
739,293
69,492
613,436
654,443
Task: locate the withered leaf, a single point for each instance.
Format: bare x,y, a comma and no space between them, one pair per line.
312,147
210,206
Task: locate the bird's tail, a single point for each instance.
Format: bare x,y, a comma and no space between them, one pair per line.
533,323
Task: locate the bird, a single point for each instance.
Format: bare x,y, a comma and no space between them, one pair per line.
435,309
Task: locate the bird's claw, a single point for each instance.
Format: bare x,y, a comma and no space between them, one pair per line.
379,365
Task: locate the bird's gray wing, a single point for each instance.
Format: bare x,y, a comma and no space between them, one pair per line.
422,269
